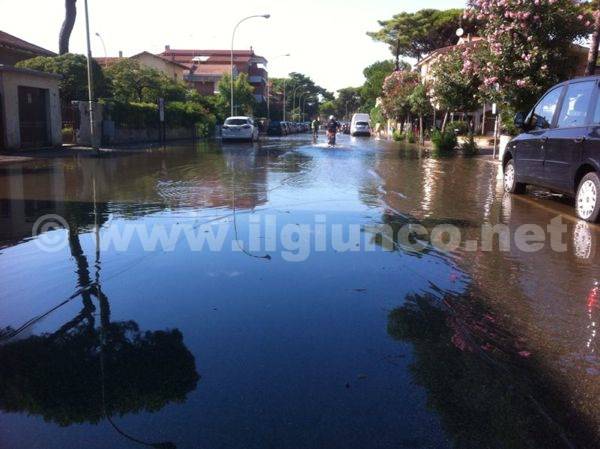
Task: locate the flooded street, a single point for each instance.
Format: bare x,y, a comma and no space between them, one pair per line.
288,295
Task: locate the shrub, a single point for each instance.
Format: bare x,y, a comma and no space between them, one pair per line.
443,142
461,128
410,136
469,146
398,135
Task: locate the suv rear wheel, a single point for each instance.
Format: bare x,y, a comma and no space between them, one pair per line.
587,203
510,179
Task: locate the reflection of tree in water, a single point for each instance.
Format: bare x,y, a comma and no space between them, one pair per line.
404,232
57,376
474,380
87,371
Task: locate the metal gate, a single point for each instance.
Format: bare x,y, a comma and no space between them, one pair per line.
33,117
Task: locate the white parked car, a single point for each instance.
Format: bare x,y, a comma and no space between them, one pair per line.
239,128
361,125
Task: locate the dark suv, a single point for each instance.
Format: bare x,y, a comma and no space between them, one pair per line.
559,148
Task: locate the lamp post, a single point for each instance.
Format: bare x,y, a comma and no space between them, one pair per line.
90,77
264,16
304,105
294,96
302,97
104,48
269,89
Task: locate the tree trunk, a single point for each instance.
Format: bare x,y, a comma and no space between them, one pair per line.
67,26
445,121
593,54
421,131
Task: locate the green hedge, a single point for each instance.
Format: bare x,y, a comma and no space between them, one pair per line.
177,114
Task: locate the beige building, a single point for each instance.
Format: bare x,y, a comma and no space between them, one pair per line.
30,114
170,69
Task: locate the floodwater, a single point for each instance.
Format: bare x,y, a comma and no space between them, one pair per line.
302,326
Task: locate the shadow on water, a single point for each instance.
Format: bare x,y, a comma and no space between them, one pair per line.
486,389
89,371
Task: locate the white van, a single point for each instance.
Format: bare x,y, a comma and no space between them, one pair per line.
361,125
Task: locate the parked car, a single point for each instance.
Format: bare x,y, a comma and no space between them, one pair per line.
239,128
361,125
276,128
345,128
559,147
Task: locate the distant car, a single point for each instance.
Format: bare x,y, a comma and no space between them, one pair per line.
276,128
559,147
239,128
360,125
345,128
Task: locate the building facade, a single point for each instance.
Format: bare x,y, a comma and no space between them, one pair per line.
169,68
207,67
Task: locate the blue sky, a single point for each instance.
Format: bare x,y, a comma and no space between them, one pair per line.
326,39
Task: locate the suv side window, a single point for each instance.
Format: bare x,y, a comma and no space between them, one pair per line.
542,115
576,104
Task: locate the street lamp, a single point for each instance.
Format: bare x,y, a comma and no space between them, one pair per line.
294,96
304,105
90,77
264,16
104,47
300,98
269,91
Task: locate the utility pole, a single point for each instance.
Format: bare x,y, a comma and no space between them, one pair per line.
284,99
90,79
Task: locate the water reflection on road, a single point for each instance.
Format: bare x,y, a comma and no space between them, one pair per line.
469,348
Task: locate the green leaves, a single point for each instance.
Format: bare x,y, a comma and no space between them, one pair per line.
413,35
131,82
452,89
243,93
73,69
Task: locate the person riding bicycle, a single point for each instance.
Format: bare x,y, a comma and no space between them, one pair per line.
315,125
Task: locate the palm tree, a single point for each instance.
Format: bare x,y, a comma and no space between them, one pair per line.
67,26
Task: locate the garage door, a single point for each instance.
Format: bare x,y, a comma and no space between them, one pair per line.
33,117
